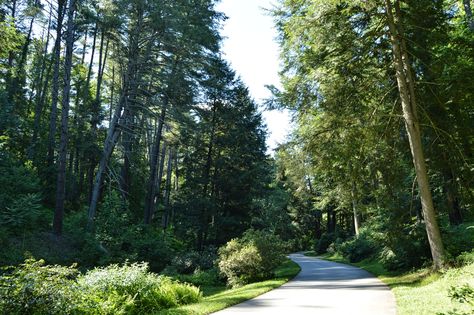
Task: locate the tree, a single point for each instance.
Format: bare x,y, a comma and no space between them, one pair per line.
406,88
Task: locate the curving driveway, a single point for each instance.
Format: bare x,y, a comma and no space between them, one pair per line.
323,288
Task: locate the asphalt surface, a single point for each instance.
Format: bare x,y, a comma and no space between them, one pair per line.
323,288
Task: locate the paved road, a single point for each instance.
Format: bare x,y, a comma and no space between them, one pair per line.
323,288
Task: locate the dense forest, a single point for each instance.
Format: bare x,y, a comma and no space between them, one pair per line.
120,121
125,136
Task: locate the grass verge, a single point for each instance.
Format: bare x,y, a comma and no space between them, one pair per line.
422,291
218,298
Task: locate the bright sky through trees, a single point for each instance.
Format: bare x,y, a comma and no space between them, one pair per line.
250,47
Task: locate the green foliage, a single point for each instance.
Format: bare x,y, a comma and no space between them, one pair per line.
22,213
465,258
359,248
134,290
322,244
20,198
35,288
408,250
459,239
250,258
461,294
10,38
189,261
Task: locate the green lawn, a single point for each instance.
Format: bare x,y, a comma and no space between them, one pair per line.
217,298
420,292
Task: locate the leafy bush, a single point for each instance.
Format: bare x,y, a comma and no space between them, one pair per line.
251,258
321,246
459,239
186,262
210,277
407,250
135,290
465,258
462,294
20,199
34,288
358,248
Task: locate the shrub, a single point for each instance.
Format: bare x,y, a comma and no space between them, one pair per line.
461,294
321,246
34,288
407,249
20,198
251,258
459,239
208,277
358,248
186,262
131,289
465,258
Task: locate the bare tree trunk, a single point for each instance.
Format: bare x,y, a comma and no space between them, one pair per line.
151,186
161,169
406,90
167,212
468,10
354,210
96,106
55,86
39,101
61,181
113,134
204,219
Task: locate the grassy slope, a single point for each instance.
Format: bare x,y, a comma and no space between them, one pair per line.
420,292
217,298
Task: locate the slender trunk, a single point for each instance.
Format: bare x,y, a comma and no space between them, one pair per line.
406,90
113,134
61,181
151,186
176,176
354,210
161,169
26,45
468,10
91,62
39,96
112,93
96,105
55,85
167,212
204,220
11,53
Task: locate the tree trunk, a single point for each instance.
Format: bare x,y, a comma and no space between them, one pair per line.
161,169
61,181
406,90
151,186
468,10
55,85
96,106
354,210
113,134
39,101
166,212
